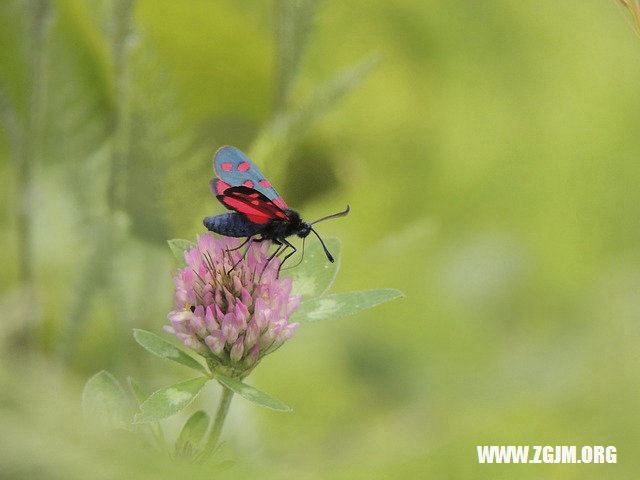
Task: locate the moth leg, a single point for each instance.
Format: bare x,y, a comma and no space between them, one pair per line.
287,245
281,247
249,240
299,261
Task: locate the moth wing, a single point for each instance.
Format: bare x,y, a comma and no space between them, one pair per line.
234,169
253,204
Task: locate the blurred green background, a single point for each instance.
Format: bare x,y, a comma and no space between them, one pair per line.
489,151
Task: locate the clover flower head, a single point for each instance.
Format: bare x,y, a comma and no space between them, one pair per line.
231,317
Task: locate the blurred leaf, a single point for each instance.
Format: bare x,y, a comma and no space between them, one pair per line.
292,24
341,305
164,153
163,349
315,275
105,402
252,393
153,427
276,141
80,103
192,433
178,246
170,400
137,390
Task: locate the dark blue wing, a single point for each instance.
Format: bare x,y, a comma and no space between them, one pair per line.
234,169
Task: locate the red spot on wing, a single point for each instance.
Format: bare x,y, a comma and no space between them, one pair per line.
255,206
221,187
226,166
256,215
244,166
248,183
264,183
279,202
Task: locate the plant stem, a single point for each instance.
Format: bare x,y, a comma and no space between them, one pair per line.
292,22
221,415
29,153
39,13
94,274
121,42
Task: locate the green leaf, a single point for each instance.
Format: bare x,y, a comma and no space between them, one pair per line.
178,246
105,402
192,433
163,349
170,400
155,428
343,304
252,393
137,390
315,275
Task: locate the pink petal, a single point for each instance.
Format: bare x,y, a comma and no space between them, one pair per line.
237,350
216,341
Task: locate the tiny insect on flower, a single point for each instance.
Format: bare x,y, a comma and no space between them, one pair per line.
232,318
259,212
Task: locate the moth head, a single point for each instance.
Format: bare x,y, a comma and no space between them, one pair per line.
304,230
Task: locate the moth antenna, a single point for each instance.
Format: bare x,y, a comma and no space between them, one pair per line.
323,245
335,215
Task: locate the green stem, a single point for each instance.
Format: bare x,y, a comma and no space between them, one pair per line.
292,22
96,269
121,42
40,13
221,415
29,152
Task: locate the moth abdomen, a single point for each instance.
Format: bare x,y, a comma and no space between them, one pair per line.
231,225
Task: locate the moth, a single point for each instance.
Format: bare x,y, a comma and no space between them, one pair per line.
259,212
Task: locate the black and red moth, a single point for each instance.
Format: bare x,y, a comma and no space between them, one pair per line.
258,209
